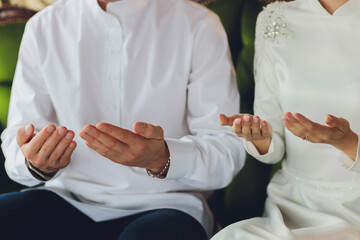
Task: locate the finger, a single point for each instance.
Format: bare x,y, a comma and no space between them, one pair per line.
341,124
60,148
237,127
222,119
307,123
66,157
285,118
121,134
99,147
103,151
246,126
50,144
294,126
148,130
229,120
38,140
124,158
265,129
255,128
317,131
24,134
101,137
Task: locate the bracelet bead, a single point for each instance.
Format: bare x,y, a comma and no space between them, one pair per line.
160,175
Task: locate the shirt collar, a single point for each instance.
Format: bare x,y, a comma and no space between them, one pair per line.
122,6
116,9
126,7
351,7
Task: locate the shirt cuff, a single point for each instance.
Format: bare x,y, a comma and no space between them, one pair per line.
23,169
252,150
350,164
183,155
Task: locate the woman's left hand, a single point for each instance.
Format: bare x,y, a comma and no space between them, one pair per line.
336,132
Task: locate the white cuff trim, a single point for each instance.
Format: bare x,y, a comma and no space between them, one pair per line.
183,157
350,164
252,150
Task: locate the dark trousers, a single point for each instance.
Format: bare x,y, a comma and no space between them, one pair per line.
41,214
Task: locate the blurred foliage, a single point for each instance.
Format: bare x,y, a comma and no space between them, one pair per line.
29,4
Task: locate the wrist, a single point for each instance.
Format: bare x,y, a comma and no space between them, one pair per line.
162,174
162,160
163,168
262,145
348,145
37,173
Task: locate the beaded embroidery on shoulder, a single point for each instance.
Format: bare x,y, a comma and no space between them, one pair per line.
274,26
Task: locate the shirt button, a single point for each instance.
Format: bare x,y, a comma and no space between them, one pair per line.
114,50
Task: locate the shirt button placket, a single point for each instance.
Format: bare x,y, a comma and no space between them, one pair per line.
114,73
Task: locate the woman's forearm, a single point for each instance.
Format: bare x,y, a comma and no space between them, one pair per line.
262,145
348,145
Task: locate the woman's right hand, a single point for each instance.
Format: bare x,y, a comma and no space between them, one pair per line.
251,128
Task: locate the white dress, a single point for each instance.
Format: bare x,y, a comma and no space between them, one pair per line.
306,61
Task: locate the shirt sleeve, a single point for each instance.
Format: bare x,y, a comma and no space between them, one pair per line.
350,164
252,150
266,104
211,155
29,103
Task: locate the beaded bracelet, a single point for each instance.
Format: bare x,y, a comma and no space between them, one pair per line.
39,175
160,175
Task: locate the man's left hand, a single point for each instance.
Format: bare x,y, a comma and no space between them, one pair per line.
145,147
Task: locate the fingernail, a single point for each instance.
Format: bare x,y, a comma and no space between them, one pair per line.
256,120
69,136
88,129
263,124
329,119
28,129
221,120
237,121
72,145
61,131
246,118
286,120
102,127
50,129
141,127
84,135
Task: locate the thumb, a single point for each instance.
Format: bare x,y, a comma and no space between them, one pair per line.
148,130
340,123
24,134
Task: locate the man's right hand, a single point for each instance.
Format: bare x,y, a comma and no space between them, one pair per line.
49,150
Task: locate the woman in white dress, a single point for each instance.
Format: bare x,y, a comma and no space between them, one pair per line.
307,68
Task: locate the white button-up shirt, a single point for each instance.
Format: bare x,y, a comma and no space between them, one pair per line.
165,62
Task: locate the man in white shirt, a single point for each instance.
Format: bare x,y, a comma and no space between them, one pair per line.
114,107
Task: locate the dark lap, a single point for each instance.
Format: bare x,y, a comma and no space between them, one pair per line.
164,224
40,214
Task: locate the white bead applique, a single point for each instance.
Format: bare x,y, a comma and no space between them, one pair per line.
274,26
